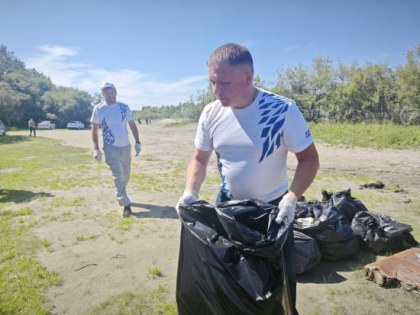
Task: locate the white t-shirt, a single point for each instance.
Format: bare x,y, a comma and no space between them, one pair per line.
113,120
251,144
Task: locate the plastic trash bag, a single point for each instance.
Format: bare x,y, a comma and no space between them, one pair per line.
335,238
380,233
306,254
347,205
230,260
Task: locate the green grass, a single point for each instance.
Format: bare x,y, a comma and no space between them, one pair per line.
43,164
22,278
154,272
144,303
29,170
368,135
180,124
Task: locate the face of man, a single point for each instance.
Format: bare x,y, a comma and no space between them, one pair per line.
231,84
110,95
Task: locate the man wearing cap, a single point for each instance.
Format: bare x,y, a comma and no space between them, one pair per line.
113,117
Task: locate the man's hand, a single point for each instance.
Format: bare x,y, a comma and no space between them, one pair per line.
137,147
97,154
189,196
287,207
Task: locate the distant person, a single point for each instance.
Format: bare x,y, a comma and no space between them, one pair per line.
147,121
251,130
113,117
32,127
150,122
139,120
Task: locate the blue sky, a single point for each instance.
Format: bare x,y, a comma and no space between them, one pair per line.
155,52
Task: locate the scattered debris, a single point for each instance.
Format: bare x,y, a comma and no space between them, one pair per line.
408,200
373,185
403,268
85,266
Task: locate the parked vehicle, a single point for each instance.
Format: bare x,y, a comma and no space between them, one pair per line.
3,128
76,125
46,124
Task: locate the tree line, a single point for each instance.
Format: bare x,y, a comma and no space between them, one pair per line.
325,91
27,93
333,92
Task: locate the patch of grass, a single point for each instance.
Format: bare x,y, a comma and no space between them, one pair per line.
41,163
180,124
67,216
146,302
47,244
126,224
358,178
154,272
22,277
61,201
81,238
368,135
149,158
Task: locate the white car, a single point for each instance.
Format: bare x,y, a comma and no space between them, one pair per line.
46,124
2,129
75,125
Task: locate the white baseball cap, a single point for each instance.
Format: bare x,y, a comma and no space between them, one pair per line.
107,85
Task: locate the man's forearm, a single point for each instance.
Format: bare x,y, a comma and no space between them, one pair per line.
305,174
95,138
196,173
134,130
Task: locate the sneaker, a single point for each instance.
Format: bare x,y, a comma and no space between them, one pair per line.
127,211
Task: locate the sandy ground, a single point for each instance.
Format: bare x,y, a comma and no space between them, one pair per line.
93,270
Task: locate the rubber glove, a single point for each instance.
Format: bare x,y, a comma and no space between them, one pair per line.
97,154
287,207
137,147
188,197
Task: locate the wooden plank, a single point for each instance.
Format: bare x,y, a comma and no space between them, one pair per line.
403,268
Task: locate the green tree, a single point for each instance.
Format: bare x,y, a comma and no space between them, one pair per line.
407,108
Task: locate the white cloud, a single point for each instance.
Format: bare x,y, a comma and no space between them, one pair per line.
289,49
134,88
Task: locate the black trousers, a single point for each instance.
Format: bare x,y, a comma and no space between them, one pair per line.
288,251
30,131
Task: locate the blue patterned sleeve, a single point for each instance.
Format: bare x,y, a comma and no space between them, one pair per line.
297,136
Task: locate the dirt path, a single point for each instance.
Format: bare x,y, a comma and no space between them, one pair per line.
112,261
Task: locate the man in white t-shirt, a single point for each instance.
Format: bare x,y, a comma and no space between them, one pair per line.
251,131
113,117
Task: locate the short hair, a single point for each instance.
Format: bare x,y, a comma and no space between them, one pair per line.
234,54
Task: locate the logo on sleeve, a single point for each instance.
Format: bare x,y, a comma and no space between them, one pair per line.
307,133
273,115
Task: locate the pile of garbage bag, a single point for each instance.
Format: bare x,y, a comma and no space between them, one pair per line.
231,259
340,222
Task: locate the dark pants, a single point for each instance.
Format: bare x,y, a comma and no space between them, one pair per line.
288,251
30,131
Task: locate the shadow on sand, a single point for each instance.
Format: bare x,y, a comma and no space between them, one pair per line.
328,271
153,211
19,196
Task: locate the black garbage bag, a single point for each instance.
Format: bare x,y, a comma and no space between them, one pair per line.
306,254
230,260
347,205
335,237
309,209
380,233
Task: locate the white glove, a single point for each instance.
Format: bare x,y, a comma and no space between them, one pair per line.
287,207
188,197
137,147
97,154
